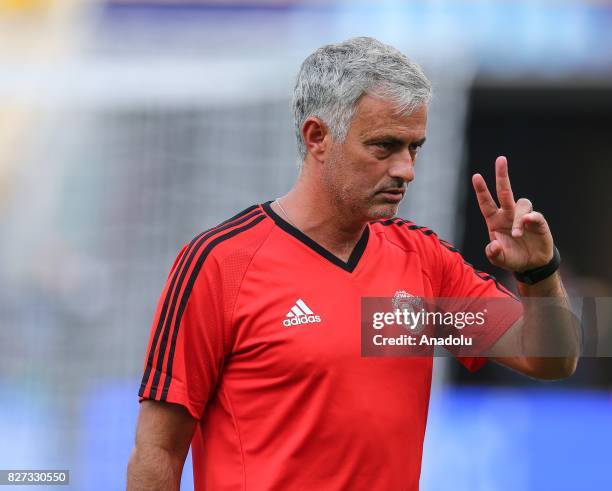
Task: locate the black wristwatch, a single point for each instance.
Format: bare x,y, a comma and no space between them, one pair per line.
534,275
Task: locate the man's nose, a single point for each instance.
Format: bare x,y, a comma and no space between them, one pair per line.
403,166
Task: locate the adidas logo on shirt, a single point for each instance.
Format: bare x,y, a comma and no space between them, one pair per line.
300,313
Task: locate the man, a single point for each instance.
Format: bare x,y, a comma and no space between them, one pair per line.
254,356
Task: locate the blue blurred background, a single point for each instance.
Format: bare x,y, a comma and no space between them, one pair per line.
127,126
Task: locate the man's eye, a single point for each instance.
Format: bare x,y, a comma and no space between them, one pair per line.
385,145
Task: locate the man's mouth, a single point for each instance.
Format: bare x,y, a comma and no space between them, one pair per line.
392,194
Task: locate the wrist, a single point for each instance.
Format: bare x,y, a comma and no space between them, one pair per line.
536,275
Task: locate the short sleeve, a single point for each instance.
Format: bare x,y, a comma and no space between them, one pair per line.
186,348
459,279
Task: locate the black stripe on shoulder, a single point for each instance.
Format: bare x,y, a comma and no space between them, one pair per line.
189,287
420,228
197,245
426,231
240,214
389,221
165,317
399,222
449,246
481,274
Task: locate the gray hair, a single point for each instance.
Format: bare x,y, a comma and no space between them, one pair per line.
333,78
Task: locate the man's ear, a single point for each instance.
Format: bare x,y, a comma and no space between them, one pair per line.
317,137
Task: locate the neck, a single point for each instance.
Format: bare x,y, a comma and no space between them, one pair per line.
318,216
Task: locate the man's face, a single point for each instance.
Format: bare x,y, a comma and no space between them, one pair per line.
368,173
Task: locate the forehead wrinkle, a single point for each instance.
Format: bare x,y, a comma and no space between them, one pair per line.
375,117
395,126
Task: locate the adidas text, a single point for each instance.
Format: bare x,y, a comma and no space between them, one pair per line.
305,319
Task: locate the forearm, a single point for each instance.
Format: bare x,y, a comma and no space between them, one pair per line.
152,468
550,337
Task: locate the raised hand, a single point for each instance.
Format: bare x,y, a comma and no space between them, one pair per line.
520,238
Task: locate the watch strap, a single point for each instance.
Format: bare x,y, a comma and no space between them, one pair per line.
535,275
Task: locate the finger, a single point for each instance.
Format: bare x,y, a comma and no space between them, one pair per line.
535,222
522,208
486,203
502,181
495,253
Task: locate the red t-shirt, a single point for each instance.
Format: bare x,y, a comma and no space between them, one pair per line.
286,406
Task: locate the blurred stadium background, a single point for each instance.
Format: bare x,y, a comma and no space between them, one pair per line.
127,126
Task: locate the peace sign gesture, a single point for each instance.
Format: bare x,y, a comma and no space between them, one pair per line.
520,237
